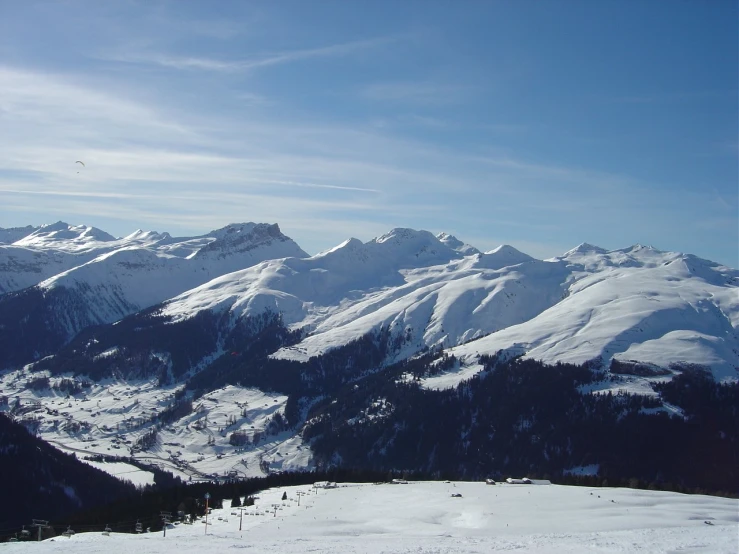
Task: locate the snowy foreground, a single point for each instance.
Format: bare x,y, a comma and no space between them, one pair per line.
426,518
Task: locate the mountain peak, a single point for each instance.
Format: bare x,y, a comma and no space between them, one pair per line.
66,232
507,250
408,248
585,248
247,236
400,234
58,226
504,256
349,245
455,244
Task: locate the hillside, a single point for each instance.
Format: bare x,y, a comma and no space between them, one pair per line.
43,483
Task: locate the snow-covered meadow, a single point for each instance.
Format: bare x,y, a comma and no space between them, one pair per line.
424,517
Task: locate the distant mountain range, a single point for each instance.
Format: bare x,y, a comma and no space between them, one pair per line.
65,278
635,304
245,306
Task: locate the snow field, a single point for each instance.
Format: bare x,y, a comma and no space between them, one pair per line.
424,517
125,472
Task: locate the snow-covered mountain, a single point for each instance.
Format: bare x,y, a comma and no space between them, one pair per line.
97,279
132,278
634,304
28,255
48,251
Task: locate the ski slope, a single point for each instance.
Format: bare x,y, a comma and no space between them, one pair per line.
423,517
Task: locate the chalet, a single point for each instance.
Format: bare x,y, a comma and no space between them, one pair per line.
324,485
524,481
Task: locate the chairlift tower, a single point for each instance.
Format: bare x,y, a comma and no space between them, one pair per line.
39,524
207,497
241,517
165,520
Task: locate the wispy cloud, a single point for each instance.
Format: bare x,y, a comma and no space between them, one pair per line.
69,111
153,162
251,63
319,186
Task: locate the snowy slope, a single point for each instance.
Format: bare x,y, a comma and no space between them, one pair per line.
636,304
423,517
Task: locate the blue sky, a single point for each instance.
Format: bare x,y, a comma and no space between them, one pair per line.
537,124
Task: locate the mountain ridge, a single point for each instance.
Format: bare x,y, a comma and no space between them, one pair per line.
630,304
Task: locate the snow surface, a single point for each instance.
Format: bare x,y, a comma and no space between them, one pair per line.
423,517
124,472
